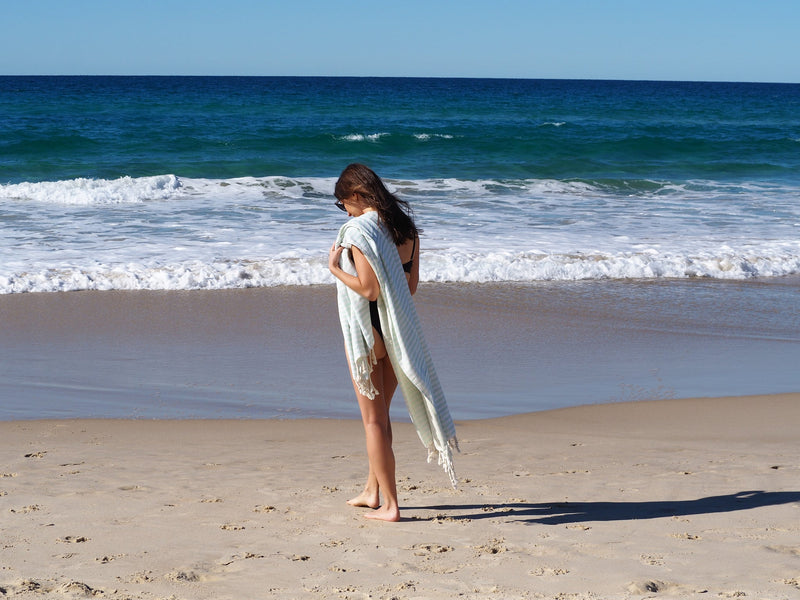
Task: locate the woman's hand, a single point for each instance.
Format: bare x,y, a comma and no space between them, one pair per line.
364,282
334,257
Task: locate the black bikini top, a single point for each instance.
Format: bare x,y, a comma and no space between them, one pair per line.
407,266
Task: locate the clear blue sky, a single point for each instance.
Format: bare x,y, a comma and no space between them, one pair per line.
715,40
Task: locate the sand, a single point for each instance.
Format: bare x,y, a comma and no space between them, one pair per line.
661,499
192,494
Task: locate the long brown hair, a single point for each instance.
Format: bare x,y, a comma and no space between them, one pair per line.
394,212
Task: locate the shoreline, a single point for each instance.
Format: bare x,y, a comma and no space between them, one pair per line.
690,498
507,420
499,349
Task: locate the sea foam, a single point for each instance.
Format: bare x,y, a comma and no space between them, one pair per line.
172,233
95,191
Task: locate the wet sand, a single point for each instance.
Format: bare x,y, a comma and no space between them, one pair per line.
499,349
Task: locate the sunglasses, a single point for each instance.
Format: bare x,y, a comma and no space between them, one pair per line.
340,205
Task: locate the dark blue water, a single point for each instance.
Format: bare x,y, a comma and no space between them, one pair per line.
56,128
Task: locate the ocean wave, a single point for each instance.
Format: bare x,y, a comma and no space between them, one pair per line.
171,232
81,191
436,266
532,266
193,275
376,137
132,190
426,137
362,137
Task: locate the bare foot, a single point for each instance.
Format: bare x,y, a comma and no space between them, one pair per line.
367,499
384,514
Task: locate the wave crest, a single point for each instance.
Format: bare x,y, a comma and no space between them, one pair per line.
437,266
125,190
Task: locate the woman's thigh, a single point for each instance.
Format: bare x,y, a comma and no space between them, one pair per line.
379,348
389,381
375,410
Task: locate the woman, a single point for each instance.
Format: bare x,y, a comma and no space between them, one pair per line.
376,277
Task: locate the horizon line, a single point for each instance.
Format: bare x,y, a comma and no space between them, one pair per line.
465,77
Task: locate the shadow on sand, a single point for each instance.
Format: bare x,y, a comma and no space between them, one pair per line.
582,512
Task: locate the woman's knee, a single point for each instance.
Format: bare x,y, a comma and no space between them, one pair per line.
377,430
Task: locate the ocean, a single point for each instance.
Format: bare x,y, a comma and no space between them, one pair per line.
209,183
215,183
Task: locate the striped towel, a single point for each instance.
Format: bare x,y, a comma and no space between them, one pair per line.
402,333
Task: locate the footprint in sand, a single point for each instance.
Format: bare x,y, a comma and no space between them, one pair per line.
184,576
648,587
27,585
139,577
107,559
549,572
495,546
72,539
686,536
36,454
25,509
446,519
231,527
80,589
428,549
132,488
238,557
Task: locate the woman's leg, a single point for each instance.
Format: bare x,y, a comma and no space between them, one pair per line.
370,497
378,429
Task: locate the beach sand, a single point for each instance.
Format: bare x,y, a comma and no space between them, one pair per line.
662,499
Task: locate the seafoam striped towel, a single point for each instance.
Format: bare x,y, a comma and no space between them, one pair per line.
402,332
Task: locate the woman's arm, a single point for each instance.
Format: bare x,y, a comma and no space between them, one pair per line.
365,282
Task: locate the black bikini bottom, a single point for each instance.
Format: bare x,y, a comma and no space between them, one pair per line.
375,317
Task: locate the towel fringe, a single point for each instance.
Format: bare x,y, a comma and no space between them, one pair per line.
363,374
444,458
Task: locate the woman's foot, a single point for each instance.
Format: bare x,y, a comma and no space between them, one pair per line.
384,514
366,499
